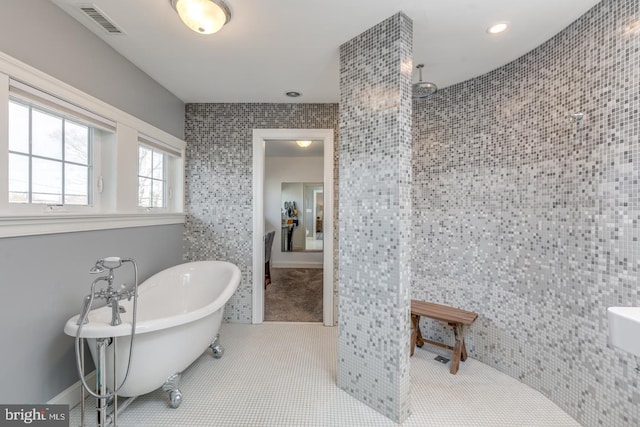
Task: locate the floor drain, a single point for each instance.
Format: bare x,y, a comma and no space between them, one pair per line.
441,359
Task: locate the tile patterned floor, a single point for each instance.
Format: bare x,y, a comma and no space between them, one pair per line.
284,374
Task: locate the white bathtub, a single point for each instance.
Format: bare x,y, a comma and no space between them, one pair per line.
179,314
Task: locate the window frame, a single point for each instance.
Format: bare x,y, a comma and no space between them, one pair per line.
114,203
164,180
91,168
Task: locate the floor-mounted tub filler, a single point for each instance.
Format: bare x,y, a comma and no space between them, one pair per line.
155,330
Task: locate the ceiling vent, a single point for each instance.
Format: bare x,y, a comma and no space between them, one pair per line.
97,16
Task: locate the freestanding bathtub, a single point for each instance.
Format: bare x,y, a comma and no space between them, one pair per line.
179,315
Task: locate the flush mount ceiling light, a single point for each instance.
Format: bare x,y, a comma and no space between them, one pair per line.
303,144
202,16
498,28
293,94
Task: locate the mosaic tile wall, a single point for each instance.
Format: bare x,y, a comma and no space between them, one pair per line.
219,193
532,220
375,216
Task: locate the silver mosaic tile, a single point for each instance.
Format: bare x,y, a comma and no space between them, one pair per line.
375,216
219,194
532,220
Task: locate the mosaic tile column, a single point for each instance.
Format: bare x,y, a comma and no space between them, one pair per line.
375,216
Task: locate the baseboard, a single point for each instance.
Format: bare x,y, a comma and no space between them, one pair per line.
71,396
296,264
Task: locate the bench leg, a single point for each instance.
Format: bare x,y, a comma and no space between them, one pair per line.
463,356
419,339
415,325
459,350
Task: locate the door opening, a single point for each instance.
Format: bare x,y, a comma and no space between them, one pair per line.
261,137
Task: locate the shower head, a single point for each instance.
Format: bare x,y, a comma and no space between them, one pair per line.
422,90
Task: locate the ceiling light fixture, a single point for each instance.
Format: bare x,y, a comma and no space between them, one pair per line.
303,144
202,16
293,94
498,28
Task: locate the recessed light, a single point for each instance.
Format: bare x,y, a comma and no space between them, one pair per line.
498,28
293,94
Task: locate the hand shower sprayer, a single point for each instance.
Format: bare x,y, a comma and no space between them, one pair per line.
112,297
110,263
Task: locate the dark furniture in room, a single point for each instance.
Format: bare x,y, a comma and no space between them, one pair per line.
268,244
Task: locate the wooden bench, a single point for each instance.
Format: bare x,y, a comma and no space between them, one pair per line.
455,317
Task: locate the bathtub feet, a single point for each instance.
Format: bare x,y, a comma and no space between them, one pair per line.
217,349
171,385
175,398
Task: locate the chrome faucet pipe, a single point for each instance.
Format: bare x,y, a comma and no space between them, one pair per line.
103,294
85,309
110,295
101,381
115,312
88,301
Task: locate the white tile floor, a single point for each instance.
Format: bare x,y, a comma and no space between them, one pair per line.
284,374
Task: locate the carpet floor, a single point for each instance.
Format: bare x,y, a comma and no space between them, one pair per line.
294,295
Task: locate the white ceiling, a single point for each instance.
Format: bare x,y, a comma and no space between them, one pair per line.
273,46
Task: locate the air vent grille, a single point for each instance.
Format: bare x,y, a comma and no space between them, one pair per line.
98,17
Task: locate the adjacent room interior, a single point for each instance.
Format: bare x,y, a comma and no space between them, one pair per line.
293,207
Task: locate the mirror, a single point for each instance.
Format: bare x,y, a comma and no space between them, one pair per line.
302,213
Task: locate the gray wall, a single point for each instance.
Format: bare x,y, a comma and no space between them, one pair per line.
533,223
219,194
40,34
43,278
42,283
375,216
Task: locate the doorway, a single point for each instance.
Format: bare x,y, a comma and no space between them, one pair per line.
261,137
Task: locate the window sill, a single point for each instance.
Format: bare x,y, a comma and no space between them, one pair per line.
31,225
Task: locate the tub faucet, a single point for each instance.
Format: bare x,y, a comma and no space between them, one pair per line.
113,297
88,300
110,295
113,300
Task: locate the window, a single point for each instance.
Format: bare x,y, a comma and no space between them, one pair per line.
50,158
152,177
68,161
